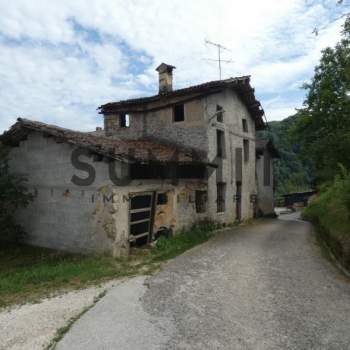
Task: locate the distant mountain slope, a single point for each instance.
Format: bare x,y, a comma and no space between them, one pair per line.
291,173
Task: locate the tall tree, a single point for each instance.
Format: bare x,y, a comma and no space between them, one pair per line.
323,125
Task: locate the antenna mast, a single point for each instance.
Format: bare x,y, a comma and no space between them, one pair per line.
219,60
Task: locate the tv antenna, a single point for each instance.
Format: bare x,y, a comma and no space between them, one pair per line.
219,60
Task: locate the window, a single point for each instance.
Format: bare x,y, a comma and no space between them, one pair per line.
267,169
201,201
162,198
220,200
179,113
219,114
245,125
220,143
239,164
246,150
124,120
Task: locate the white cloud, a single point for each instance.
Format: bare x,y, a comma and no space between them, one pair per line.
52,69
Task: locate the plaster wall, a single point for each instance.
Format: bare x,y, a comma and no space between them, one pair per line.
87,219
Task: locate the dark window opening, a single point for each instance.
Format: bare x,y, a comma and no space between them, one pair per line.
141,215
219,114
220,141
220,201
246,150
139,228
167,171
201,201
267,170
245,125
239,164
142,201
124,120
162,198
179,113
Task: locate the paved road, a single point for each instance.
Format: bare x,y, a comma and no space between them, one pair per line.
264,286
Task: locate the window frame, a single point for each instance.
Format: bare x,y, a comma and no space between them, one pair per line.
219,114
267,169
175,118
124,120
201,199
221,197
245,125
162,198
220,144
246,150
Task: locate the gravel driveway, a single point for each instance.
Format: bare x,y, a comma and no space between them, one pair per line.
262,286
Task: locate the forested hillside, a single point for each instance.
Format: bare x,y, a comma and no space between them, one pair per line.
290,172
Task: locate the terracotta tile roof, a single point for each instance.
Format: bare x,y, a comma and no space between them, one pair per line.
129,151
240,84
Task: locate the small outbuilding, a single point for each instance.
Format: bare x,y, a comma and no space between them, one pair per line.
300,199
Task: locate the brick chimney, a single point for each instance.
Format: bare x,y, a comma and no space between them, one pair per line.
165,77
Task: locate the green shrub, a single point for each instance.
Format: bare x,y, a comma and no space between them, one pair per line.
168,248
330,213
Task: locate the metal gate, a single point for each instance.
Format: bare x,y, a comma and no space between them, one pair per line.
141,217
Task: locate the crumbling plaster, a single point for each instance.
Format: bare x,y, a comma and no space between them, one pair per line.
86,219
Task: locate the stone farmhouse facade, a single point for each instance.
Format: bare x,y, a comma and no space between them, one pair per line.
160,164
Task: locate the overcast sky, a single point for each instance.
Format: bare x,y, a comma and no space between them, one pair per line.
60,60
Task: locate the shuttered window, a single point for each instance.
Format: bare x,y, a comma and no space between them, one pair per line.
201,201
267,169
221,192
246,150
238,164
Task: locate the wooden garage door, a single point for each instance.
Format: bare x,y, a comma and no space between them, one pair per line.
140,217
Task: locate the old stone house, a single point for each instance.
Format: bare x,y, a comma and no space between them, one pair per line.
161,164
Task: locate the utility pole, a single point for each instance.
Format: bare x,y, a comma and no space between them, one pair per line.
219,60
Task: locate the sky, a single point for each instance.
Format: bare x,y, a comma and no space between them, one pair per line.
60,60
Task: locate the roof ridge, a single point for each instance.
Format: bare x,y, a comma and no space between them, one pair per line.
112,147
212,83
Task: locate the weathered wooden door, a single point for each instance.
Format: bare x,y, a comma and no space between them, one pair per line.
141,211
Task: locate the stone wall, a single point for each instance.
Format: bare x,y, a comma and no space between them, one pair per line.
62,215
87,219
235,111
198,130
159,124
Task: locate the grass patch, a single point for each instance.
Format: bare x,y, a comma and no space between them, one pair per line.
28,273
165,249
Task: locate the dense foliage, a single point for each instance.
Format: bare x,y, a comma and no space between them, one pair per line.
290,172
13,195
323,125
330,212
323,131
